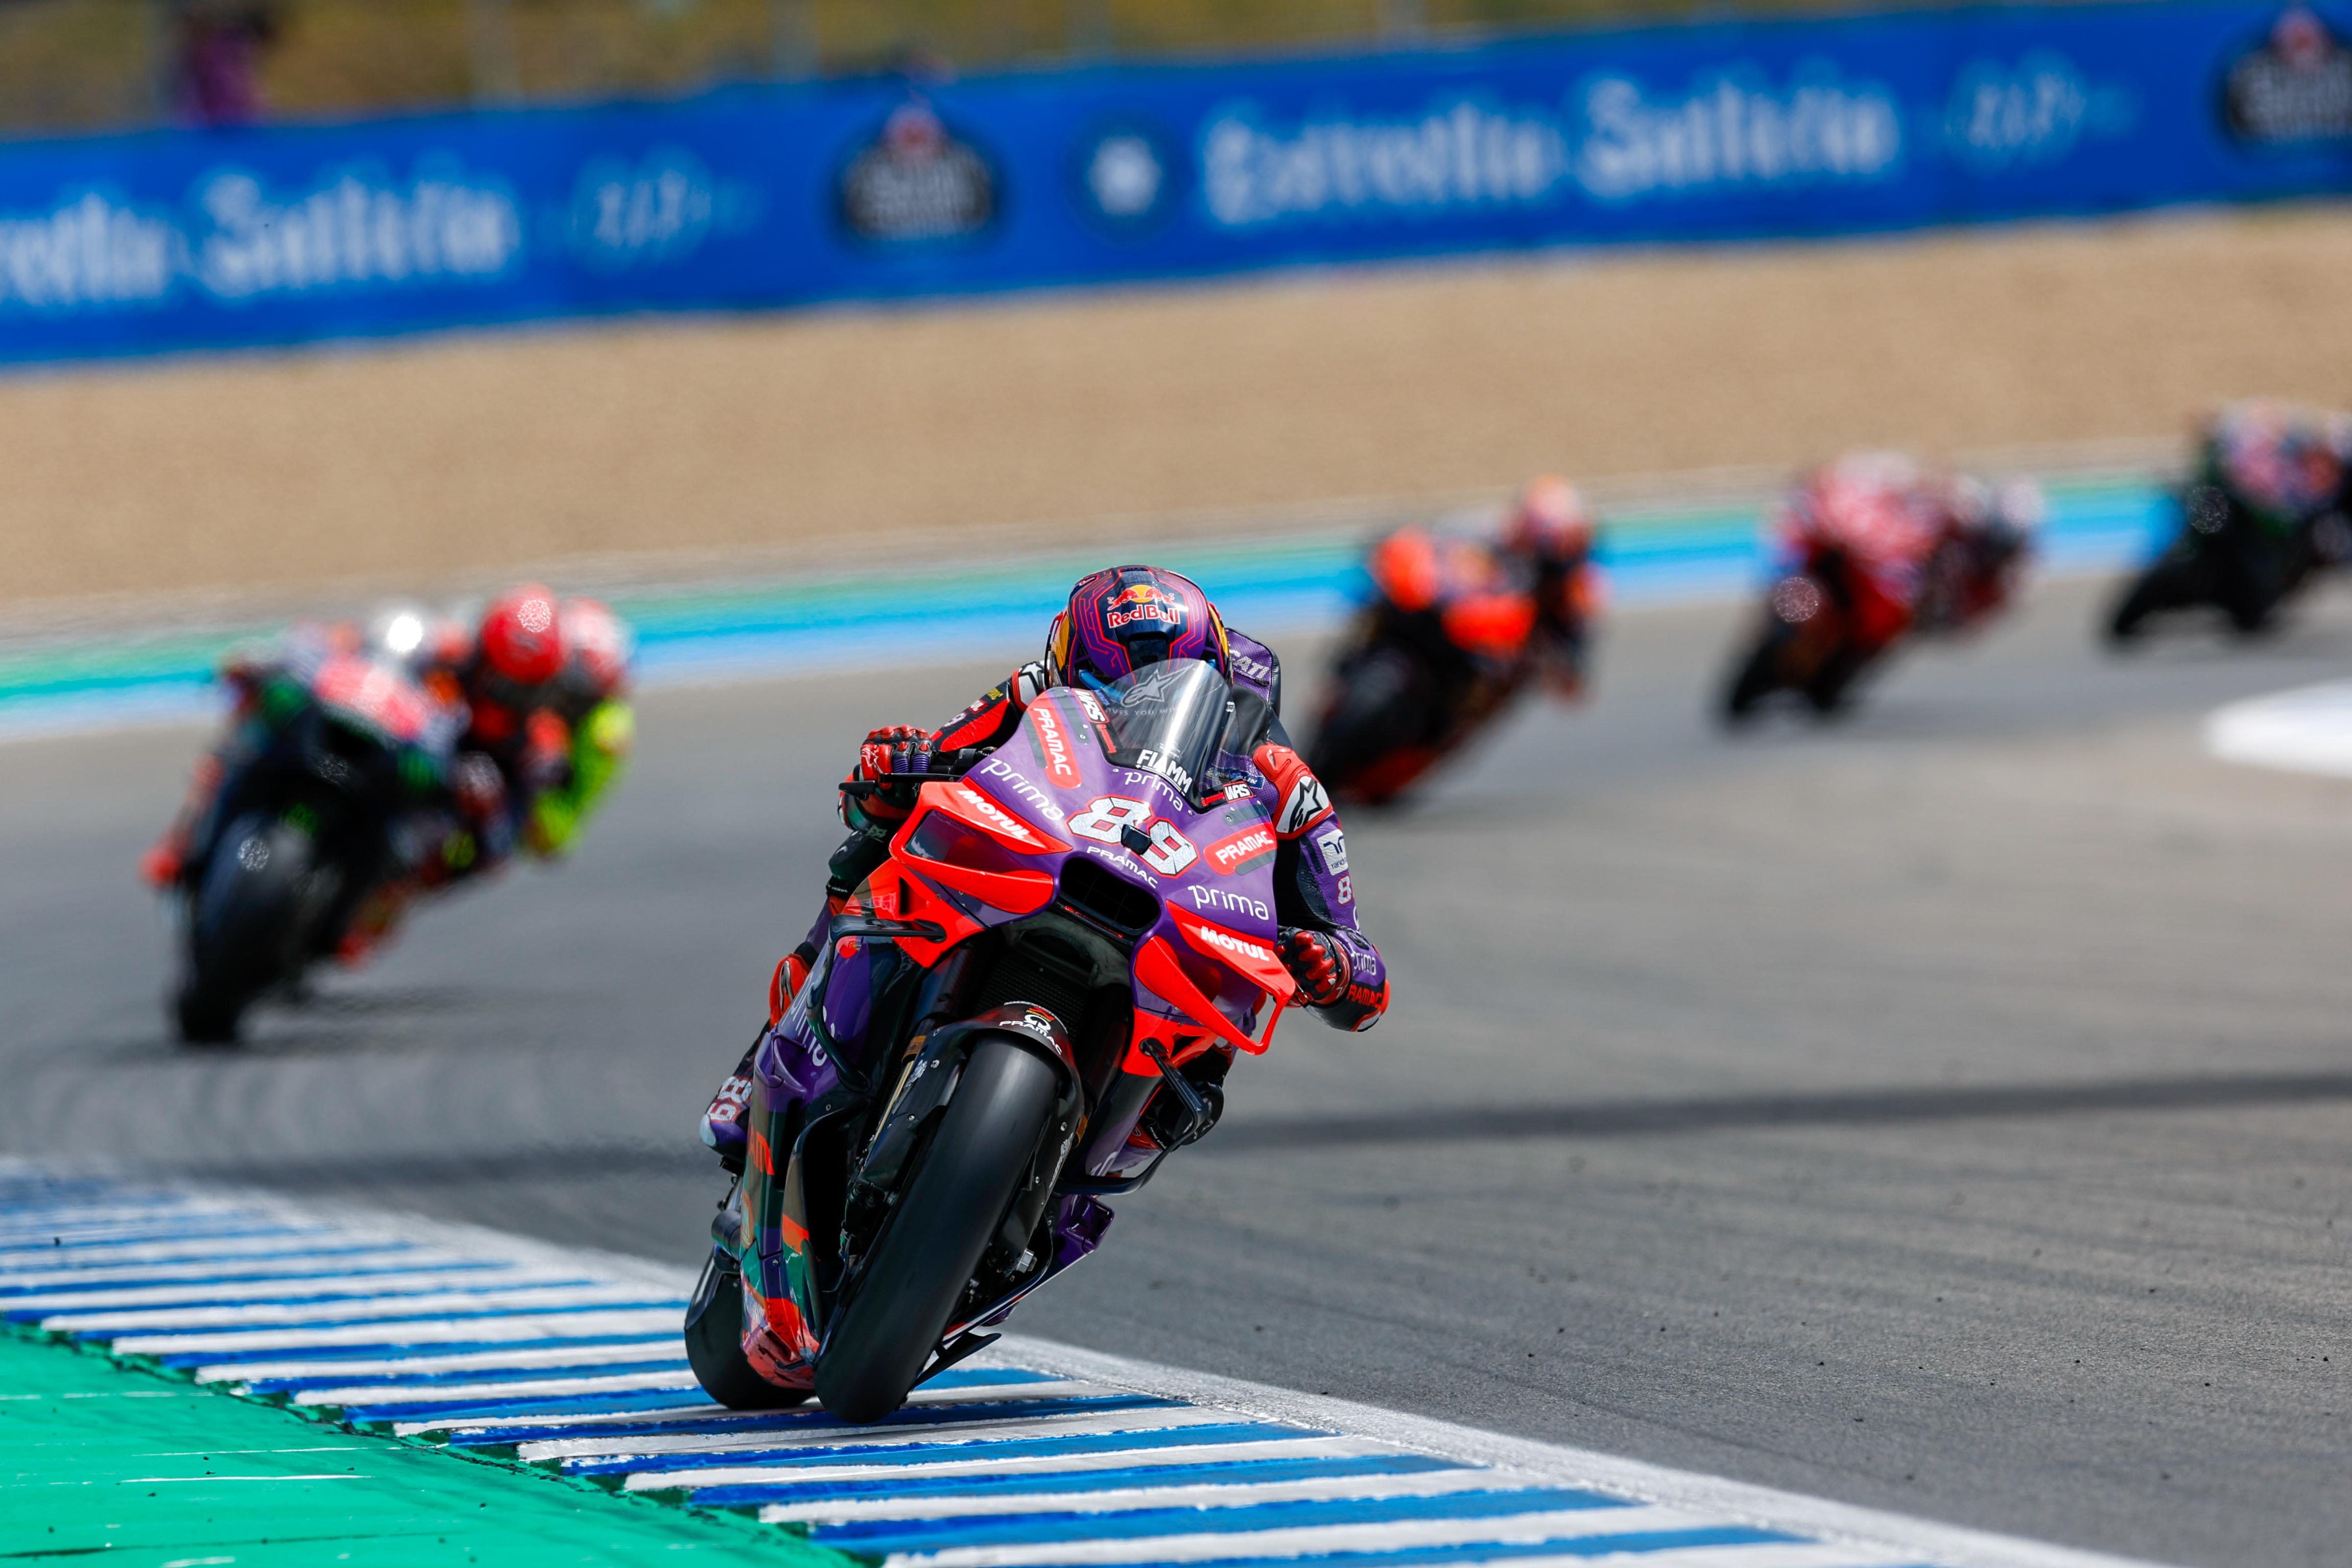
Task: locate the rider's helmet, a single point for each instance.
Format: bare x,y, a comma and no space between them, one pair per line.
1550,522
597,647
1121,619
520,638
518,654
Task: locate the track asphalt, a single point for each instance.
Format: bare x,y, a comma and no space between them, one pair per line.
1940,1111
559,1372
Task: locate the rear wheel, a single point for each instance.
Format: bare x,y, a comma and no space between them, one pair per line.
714,1343
927,1255
1381,707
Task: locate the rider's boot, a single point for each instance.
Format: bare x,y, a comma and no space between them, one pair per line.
167,859
722,1124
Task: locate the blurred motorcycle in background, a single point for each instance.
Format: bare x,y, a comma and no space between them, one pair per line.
340,787
361,769
1457,628
1876,548
2263,512
1023,1010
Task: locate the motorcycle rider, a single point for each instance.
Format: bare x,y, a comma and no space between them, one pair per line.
1117,621
1482,614
545,730
2290,467
1930,551
1531,592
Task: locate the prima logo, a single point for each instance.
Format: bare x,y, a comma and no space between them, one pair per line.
1030,795
1239,903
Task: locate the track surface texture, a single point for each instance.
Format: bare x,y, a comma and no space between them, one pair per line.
1942,1111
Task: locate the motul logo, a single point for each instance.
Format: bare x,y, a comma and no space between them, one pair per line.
1233,944
990,810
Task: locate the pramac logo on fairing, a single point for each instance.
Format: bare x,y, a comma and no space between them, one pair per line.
1056,745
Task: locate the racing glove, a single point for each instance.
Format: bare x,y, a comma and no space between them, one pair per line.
1319,964
892,750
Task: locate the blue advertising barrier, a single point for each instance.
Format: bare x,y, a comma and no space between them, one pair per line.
762,197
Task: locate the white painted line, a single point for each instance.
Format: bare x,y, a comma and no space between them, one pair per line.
1239,1494
258,1314
664,1348
1907,1539
1321,1540
393,1395
579,1324
94,1277
955,1460
2307,729
1002,1430
471,1278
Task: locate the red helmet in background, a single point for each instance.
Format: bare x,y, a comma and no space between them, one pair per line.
1551,521
521,638
596,646
1121,619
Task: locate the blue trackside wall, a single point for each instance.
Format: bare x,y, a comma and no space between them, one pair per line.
765,197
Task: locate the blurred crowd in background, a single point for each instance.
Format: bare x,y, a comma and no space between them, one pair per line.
87,65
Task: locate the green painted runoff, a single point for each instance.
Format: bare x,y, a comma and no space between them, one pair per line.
150,1472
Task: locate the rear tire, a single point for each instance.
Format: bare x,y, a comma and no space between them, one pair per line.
714,1344
1382,706
883,1335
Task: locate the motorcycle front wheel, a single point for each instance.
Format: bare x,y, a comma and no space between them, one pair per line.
714,1344
1759,675
1383,705
927,1254
241,925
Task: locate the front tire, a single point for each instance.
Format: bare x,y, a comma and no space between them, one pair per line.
242,920
927,1255
1383,706
714,1344
1759,675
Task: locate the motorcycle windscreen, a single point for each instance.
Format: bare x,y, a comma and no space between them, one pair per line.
1166,719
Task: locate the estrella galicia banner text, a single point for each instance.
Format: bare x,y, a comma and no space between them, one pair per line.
764,198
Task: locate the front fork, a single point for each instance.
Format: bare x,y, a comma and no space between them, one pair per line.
763,1225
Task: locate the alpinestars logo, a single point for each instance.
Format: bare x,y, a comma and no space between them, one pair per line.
1304,800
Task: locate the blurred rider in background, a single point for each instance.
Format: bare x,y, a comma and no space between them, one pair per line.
2289,466
538,688
1929,550
1116,622
1457,626
1528,594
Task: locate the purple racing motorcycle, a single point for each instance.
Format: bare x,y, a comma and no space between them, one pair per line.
1023,1011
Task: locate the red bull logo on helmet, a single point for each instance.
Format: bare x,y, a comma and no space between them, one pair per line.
1143,601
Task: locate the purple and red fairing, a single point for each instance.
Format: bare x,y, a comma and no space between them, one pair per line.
1172,863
